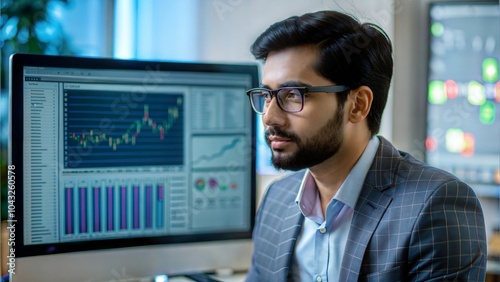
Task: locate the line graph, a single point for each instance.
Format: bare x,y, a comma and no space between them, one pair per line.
219,151
218,154
132,132
107,129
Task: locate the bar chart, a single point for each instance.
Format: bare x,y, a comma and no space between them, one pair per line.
110,208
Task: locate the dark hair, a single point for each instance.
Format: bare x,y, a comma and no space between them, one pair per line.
350,53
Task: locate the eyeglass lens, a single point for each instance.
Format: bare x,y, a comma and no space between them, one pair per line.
290,100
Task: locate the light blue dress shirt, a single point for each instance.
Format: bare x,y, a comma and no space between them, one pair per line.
321,242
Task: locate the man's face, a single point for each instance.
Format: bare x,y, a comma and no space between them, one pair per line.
307,138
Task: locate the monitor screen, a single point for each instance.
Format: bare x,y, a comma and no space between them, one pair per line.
115,153
463,113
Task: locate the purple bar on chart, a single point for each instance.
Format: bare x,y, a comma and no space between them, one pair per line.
69,210
149,207
97,209
135,191
123,207
110,206
159,206
83,209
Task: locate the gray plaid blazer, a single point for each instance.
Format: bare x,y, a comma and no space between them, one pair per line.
412,222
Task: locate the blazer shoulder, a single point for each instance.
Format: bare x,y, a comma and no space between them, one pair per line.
395,168
413,170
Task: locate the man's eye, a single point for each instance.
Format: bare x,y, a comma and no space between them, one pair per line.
293,95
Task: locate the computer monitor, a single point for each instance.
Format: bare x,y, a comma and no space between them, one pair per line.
129,168
463,108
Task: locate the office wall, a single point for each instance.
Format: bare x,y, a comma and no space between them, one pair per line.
410,82
228,27
89,25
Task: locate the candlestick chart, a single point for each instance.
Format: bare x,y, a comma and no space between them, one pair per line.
111,129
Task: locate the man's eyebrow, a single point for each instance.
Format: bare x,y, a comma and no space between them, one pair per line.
291,83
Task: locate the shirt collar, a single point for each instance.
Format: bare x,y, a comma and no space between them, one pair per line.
350,189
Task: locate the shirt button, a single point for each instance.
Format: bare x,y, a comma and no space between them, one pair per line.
322,230
319,279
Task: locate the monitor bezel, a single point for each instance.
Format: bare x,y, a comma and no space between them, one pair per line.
16,134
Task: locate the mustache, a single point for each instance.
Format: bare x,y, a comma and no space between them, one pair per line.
280,133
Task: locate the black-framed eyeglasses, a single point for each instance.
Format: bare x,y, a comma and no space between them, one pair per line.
290,99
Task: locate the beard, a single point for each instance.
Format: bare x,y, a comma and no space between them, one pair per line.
312,151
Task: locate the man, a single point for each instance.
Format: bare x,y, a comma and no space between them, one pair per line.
357,209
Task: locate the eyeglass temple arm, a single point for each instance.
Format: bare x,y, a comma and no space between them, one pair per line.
335,88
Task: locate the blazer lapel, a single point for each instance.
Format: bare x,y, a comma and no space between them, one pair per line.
370,208
292,221
364,222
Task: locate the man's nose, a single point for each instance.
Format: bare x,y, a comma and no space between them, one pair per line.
274,115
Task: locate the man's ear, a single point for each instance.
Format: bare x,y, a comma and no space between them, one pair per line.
361,101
